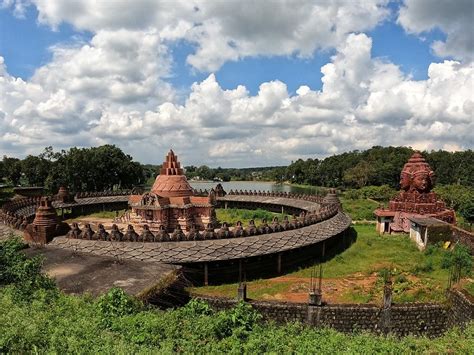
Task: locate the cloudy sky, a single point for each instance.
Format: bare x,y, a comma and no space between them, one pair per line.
236,83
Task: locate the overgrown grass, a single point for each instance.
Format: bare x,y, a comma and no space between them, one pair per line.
418,276
359,209
42,320
233,215
69,324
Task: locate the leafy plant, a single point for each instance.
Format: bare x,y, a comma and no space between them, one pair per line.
116,303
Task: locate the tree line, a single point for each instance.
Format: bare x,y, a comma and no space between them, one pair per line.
80,169
106,167
376,166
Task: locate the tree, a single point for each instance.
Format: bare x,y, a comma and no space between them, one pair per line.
359,175
35,169
467,211
12,169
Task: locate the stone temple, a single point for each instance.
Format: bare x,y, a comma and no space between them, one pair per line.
415,199
171,203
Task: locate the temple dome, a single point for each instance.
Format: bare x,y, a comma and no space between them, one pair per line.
172,182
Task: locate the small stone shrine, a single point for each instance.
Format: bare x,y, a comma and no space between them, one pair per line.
415,199
171,202
46,224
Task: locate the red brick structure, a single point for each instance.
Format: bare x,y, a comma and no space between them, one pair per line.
171,202
414,200
44,226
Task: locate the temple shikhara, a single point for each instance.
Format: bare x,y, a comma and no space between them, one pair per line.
171,202
415,199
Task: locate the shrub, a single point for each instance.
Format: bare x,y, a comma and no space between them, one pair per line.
116,303
196,308
238,321
458,257
23,272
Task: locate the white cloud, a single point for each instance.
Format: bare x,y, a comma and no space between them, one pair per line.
364,101
113,89
454,18
222,30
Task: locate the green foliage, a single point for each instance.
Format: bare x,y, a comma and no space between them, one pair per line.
239,321
233,215
16,268
196,308
457,197
459,257
72,324
116,303
359,209
379,193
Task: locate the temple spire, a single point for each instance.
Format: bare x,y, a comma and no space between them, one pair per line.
171,165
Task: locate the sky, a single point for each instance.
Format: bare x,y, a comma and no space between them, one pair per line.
236,83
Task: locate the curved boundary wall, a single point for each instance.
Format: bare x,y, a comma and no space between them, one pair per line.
430,319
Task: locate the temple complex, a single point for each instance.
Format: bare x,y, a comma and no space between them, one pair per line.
171,203
415,199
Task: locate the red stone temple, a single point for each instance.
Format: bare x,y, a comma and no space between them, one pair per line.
171,202
414,200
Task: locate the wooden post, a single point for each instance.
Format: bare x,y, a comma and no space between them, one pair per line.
240,270
279,263
206,275
324,250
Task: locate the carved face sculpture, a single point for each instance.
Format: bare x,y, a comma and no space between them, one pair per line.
421,181
405,181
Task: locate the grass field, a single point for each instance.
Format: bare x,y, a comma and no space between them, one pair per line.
355,274
233,215
360,209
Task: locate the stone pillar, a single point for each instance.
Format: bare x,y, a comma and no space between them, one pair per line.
206,275
242,292
385,314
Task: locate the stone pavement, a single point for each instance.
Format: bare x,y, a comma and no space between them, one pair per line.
79,273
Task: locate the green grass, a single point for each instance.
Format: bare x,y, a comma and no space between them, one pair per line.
36,318
233,215
71,324
469,287
372,252
418,276
360,209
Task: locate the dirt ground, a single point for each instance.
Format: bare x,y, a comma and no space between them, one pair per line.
333,290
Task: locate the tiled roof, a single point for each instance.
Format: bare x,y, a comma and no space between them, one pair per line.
211,250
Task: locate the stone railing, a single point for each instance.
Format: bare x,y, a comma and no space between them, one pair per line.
210,233
88,194
19,212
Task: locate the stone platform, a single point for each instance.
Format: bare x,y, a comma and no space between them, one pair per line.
78,273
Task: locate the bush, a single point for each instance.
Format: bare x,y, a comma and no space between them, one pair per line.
378,193
237,321
116,303
458,257
23,272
